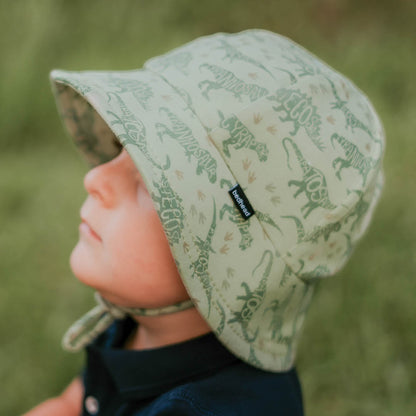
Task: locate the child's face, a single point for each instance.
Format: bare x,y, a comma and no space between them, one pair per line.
122,249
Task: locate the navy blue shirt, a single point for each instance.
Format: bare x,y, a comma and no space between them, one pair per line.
198,377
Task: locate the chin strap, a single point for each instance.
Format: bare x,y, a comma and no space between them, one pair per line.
97,320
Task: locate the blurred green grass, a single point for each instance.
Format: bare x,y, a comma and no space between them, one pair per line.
356,356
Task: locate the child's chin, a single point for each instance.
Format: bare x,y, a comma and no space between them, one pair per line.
83,267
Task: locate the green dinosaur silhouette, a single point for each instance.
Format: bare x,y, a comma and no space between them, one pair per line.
292,78
359,210
141,91
180,132
134,130
253,299
200,265
252,358
227,80
241,137
353,158
234,54
317,231
278,309
221,325
313,182
171,211
305,69
299,109
243,226
352,121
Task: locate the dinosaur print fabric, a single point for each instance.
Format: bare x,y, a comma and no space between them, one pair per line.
254,109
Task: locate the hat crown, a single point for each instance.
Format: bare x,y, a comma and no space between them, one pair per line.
301,139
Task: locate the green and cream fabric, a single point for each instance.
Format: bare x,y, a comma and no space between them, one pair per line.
256,109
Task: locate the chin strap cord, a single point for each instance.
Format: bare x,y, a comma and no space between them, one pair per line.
97,320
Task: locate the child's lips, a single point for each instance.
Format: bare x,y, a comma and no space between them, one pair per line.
86,229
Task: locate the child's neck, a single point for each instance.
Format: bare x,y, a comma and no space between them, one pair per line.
157,331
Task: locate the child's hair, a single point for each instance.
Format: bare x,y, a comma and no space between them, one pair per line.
264,165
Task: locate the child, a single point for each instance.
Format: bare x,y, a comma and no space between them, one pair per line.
228,176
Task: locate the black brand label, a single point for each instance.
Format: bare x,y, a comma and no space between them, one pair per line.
241,202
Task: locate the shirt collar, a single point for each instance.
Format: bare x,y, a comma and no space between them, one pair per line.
151,372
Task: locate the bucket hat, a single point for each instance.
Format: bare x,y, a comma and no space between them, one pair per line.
264,165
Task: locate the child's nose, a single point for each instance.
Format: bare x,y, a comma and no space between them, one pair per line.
97,183
112,181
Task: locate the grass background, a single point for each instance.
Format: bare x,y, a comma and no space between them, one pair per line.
357,354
